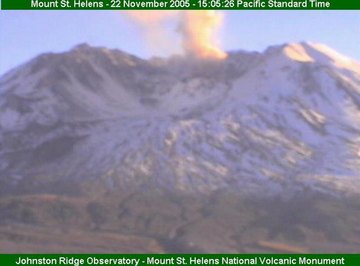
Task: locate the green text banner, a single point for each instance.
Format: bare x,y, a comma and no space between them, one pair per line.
179,259
179,4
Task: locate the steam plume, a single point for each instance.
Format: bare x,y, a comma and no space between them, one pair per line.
197,30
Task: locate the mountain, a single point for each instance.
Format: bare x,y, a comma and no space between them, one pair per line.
254,153
277,121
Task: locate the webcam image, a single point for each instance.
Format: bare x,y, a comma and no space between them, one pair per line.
179,131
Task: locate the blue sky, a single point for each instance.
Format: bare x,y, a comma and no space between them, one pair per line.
25,34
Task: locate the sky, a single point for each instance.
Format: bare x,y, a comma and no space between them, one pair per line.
26,34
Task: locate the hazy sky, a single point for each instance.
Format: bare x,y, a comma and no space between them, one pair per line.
25,34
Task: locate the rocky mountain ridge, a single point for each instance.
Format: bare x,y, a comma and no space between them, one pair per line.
269,123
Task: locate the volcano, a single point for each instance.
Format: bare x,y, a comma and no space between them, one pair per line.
260,126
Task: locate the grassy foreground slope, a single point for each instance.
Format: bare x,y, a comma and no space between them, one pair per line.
160,222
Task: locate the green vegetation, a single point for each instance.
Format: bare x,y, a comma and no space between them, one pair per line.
17,211
62,211
98,213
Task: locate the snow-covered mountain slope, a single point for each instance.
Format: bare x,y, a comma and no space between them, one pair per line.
280,121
